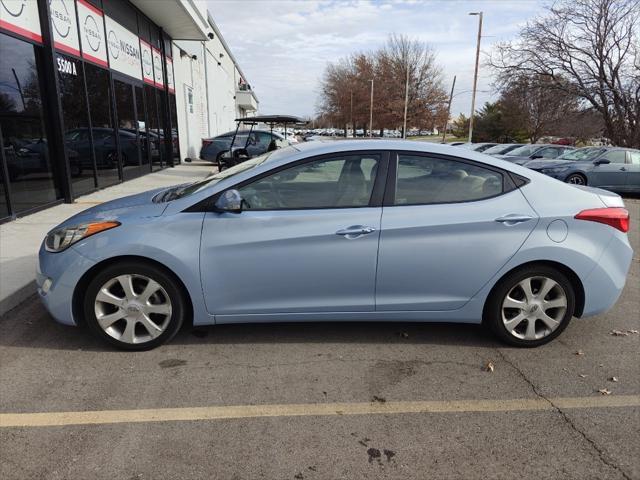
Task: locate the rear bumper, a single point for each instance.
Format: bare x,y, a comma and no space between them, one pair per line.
603,286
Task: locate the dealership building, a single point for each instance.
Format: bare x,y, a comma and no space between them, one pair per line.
96,92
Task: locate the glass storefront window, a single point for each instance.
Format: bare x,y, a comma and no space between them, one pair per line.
4,206
104,139
32,176
175,145
127,128
153,127
76,124
142,127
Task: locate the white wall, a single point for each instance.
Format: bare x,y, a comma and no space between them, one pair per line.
214,102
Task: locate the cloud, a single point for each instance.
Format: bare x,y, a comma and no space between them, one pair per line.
284,46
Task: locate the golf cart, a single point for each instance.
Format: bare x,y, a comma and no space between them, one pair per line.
246,145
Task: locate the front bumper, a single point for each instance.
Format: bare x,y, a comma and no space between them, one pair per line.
63,270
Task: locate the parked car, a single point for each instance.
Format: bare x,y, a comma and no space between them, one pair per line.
104,143
502,148
259,142
616,169
300,234
477,147
522,155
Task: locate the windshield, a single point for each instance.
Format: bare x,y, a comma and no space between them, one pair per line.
524,151
582,154
190,189
497,149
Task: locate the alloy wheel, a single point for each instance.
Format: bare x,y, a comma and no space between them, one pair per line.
132,309
576,180
534,308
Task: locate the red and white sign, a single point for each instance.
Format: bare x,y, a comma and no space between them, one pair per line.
124,49
92,36
65,27
170,85
21,17
147,62
157,68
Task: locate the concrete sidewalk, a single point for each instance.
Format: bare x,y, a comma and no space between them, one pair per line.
20,240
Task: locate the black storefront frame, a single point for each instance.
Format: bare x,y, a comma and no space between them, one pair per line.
53,113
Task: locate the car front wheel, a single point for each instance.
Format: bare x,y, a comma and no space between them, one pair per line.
134,306
531,306
576,179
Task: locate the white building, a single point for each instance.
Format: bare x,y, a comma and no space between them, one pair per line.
211,90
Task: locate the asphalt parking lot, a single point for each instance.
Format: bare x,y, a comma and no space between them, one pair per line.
324,401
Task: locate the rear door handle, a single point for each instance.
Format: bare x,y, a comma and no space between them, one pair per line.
355,231
623,169
514,219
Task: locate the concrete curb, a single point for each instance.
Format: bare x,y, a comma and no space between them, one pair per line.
19,296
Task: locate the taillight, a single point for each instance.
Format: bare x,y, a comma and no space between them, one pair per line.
206,143
616,217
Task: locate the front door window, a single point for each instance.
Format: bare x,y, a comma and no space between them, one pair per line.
339,182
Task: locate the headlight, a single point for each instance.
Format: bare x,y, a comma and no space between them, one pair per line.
62,238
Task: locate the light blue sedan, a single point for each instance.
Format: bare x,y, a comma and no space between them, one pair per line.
384,230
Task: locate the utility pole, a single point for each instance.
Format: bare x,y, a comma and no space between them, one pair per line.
371,111
406,102
446,120
475,74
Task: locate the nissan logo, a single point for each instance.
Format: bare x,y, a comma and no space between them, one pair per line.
60,17
146,61
92,33
14,11
112,41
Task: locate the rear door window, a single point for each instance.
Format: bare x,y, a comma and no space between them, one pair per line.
423,180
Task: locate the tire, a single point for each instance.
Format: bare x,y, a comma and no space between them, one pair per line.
576,179
510,309
150,314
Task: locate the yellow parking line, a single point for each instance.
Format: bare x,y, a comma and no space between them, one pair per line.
48,419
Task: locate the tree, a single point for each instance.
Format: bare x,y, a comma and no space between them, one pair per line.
346,87
489,125
533,106
586,48
460,126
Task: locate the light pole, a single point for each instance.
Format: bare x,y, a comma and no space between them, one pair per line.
446,121
371,111
475,74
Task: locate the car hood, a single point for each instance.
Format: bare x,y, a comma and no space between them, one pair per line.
133,206
517,159
539,164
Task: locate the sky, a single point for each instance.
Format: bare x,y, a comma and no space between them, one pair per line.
284,46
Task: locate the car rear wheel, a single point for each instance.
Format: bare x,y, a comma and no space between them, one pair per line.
134,306
531,306
576,179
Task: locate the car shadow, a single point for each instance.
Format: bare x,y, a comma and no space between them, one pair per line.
30,326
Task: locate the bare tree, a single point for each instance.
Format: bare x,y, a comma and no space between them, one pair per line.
534,105
588,48
348,82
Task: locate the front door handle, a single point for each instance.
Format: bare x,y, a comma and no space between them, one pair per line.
623,169
514,219
355,231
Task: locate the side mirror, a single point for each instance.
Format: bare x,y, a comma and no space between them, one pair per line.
230,202
602,161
